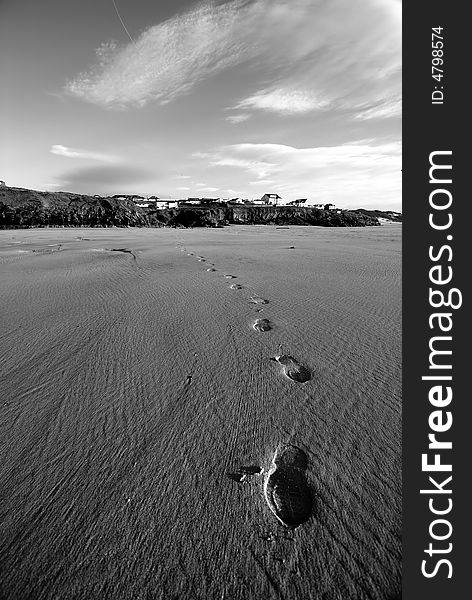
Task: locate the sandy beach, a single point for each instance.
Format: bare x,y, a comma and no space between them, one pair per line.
135,387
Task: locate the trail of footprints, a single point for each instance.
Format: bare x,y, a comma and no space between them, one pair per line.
286,490
291,368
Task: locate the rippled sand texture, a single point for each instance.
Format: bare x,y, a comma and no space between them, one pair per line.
140,412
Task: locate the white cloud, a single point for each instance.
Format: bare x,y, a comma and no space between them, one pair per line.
183,176
284,101
310,54
183,188
61,150
238,118
209,189
348,174
166,61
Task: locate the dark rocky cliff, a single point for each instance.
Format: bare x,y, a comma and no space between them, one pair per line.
23,208
291,215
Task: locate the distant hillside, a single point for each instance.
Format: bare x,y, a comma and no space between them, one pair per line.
23,208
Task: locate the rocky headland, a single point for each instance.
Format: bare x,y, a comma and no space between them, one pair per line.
24,208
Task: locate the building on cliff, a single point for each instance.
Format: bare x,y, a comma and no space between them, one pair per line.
269,199
298,201
165,204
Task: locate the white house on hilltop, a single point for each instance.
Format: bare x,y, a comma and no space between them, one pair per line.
268,200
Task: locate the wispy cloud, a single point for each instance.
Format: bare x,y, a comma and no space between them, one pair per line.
284,101
183,188
61,150
392,107
238,118
166,61
262,182
350,64
183,177
313,54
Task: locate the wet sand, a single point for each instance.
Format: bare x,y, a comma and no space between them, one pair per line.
139,403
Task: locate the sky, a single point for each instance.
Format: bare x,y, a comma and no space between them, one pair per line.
228,98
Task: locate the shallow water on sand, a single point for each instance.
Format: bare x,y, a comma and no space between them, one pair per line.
133,382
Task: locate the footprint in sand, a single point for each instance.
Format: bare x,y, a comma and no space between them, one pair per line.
285,487
235,286
211,269
292,369
125,250
258,300
201,260
230,276
262,325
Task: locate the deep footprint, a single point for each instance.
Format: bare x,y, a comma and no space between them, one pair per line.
292,369
235,286
230,276
125,250
211,269
286,489
262,325
258,300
